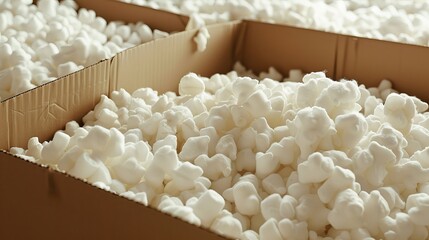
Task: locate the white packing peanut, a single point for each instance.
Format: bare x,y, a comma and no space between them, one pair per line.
128,171
52,151
270,207
208,206
339,180
194,147
274,183
348,210
315,169
226,146
202,39
265,164
183,212
183,178
311,210
227,225
214,167
293,229
157,34
270,230
246,198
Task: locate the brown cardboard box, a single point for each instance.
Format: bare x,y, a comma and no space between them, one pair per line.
38,203
93,81
113,10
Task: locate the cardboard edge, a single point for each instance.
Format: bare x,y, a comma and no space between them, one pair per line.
126,12
182,17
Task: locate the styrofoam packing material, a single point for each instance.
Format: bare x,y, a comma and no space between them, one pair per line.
39,43
399,21
342,166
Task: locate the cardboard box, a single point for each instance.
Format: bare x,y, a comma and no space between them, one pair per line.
113,10
36,202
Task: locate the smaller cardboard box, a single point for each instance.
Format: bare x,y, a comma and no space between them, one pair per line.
93,81
37,202
113,10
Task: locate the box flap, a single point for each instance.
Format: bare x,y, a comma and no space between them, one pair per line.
67,208
113,10
46,109
370,61
160,64
286,47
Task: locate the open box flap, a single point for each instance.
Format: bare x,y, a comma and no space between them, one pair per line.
47,108
285,47
369,61
160,64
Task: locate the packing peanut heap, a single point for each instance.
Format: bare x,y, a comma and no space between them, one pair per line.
306,158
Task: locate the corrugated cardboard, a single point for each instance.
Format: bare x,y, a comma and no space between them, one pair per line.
48,104
296,48
38,198
163,62
369,61
39,111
